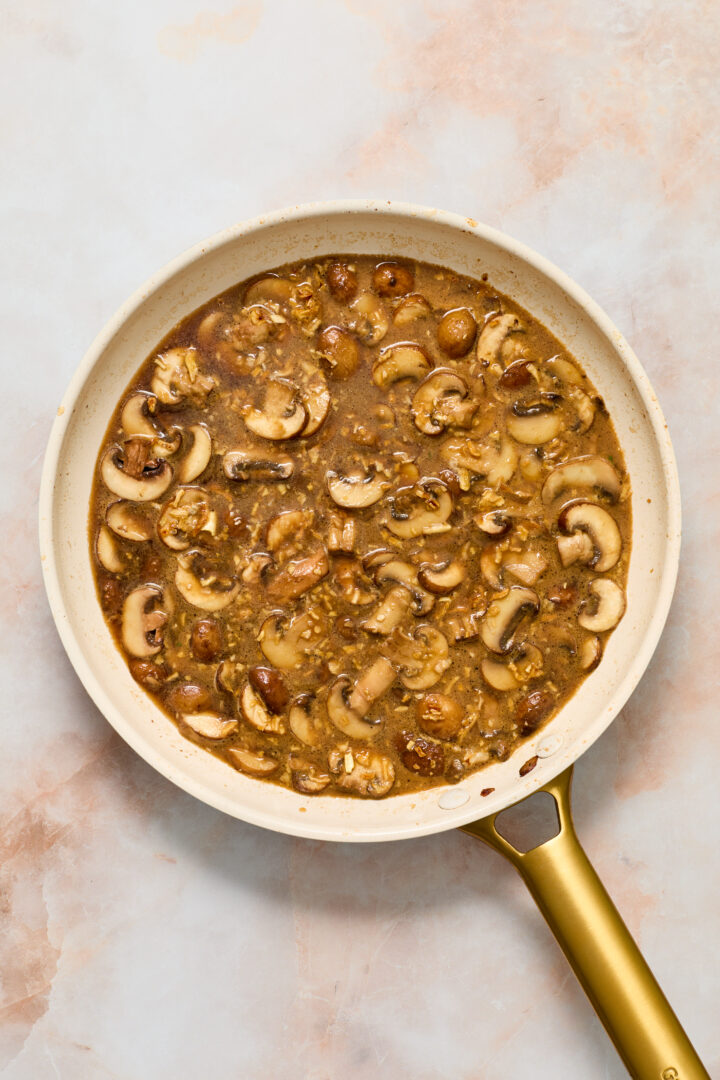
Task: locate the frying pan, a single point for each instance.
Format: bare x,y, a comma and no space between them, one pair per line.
570,896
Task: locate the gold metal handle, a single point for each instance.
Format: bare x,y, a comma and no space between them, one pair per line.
599,947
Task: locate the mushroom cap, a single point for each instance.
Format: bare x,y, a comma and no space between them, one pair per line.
135,418
504,615
138,623
405,360
254,710
356,490
591,471
442,579
534,429
143,489
610,607
600,526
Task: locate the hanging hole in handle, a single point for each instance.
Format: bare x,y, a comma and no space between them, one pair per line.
529,823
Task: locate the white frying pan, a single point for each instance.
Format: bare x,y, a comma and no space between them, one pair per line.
589,929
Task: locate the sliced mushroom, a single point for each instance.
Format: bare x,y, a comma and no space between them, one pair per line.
270,287
298,576
107,552
494,522
363,771
209,725
270,685
534,429
422,658
393,608
348,573
209,592
256,465
316,399
371,685
142,628
403,573
254,710
597,528
403,361
252,762
306,777
257,567
498,675
287,643
136,415
198,457
442,400
462,623
527,564
183,518
283,414
442,578
609,603
432,504
504,616
341,533
525,663
129,521
346,719
584,472
410,309
494,333
584,407
495,458
153,482
564,370
177,376
306,721
288,526
356,489
370,319
590,653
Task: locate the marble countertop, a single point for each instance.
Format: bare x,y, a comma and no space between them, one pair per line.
144,935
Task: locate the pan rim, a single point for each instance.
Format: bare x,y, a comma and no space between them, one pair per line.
652,630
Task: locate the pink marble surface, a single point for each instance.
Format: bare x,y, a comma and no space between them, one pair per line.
145,935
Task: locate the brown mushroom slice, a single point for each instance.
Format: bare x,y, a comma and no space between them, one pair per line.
209,725
270,287
390,612
411,307
286,526
348,573
422,658
504,615
493,522
405,574
207,593
306,722
198,456
443,578
135,418
287,643
341,533
494,458
440,400
536,428
185,516
370,320
462,623
590,652
256,465
129,522
346,719
402,361
498,675
151,484
564,370
596,524
177,376
584,407
584,472
257,567
371,685
107,552
252,762
610,606
494,333
316,399
142,628
298,576
306,777
575,548
282,416
356,489
433,506
362,771
255,712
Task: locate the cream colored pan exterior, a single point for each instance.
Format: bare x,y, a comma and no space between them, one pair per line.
304,232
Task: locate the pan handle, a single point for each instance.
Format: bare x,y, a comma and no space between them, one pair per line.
598,945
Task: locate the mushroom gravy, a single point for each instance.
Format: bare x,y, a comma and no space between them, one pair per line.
360,526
